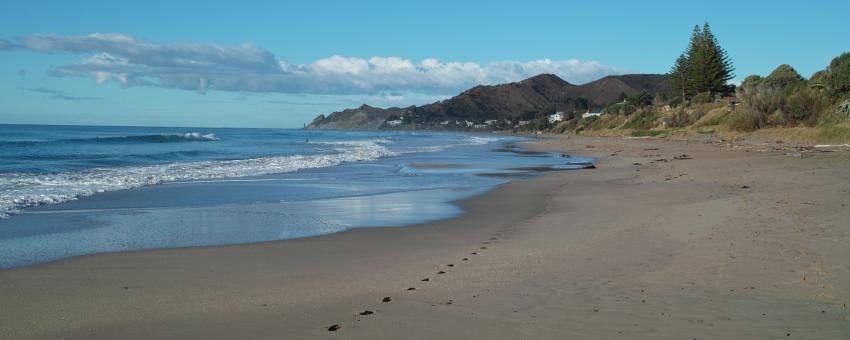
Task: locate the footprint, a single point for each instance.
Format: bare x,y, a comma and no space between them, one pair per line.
367,312
450,265
386,299
335,327
483,248
425,279
465,259
474,253
441,272
411,288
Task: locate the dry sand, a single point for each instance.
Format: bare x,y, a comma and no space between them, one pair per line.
750,242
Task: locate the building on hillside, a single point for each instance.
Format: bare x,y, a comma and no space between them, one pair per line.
523,122
395,122
444,123
556,117
468,123
589,114
480,126
491,121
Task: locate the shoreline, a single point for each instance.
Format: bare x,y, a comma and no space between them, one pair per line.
452,200
137,264
640,251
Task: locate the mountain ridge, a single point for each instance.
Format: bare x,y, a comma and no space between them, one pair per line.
510,102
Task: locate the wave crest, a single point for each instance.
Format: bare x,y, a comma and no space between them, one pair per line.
20,190
159,138
155,138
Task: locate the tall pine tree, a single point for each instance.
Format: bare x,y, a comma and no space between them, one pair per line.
718,67
679,76
696,56
703,67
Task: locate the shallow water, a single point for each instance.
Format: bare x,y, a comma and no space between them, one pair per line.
230,186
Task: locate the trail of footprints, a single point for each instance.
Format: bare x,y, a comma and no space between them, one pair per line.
387,299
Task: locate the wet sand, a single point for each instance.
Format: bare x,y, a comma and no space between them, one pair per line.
663,240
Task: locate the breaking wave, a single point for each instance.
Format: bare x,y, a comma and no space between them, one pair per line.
20,190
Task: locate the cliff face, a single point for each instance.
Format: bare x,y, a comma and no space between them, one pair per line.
513,101
364,117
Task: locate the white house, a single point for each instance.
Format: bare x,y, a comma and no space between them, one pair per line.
469,124
396,122
556,117
480,126
523,122
491,122
591,114
445,122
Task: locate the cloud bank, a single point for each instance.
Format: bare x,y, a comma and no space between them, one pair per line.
246,68
61,95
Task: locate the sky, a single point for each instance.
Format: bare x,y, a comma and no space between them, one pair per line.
281,63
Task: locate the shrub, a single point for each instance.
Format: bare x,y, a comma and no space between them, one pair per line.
839,75
782,98
619,109
714,116
642,120
639,100
783,76
702,98
747,120
682,117
844,108
777,118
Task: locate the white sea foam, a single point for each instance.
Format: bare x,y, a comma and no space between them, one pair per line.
199,136
475,140
18,190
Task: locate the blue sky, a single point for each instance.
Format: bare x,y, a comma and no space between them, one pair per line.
275,64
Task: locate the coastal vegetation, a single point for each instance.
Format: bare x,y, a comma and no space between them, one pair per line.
699,99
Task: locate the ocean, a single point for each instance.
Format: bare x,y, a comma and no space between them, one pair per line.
76,190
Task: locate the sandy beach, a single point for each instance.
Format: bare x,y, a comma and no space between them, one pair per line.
663,240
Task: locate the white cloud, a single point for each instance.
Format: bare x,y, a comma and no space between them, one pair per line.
247,68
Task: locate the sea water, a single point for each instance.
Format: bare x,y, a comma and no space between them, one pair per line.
75,190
